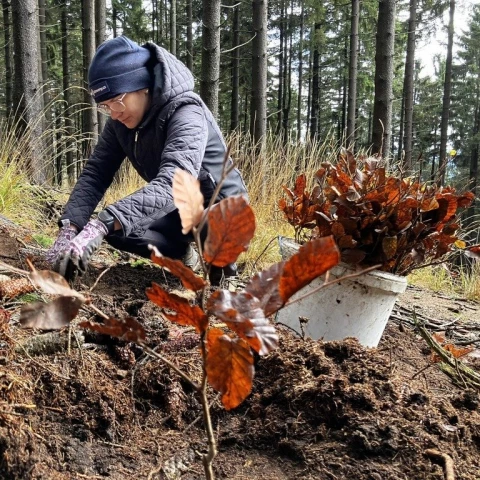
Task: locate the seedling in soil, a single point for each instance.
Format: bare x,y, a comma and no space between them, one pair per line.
227,356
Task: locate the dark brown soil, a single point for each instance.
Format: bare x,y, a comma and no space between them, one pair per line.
317,410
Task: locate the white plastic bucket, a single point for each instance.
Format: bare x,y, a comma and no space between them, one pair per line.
357,307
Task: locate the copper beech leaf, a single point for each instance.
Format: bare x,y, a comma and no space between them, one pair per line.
128,329
264,286
473,252
188,198
186,275
300,184
242,313
183,313
52,315
53,283
231,225
229,366
312,260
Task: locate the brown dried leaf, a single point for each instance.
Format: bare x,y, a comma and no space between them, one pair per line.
231,225
447,207
290,194
229,367
300,184
353,256
53,283
189,279
428,204
337,229
128,329
188,198
243,314
264,286
312,260
473,252
465,200
346,241
185,314
52,315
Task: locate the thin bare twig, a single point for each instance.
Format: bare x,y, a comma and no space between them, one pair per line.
99,277
331,282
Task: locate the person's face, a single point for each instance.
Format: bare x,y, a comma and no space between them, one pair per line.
128,108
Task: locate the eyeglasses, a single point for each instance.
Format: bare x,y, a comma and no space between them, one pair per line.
116,106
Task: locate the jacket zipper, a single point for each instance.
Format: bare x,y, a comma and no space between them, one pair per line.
135,145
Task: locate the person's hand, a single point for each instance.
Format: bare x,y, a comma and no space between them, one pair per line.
66,234
74,259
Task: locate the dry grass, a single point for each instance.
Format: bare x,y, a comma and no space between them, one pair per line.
436,278
26,157
17,199
463,281
125,183
265,174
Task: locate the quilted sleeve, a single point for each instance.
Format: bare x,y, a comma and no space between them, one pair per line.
96,177
186,140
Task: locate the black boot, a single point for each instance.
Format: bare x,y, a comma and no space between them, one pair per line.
219,274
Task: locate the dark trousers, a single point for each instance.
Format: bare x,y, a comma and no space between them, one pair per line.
166,234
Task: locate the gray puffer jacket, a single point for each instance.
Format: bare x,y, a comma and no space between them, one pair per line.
178,131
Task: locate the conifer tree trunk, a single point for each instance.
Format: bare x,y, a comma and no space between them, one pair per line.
210,54
309,88
90,123
287,78
190,35
67,114
352,73
300,72
235,66
315,97
402,123
382,109
114,20
7,49
47,109
258,110
154,20
447,88
100,21
43,49
100,37
408,87
173,27
343,95
27,92
281,85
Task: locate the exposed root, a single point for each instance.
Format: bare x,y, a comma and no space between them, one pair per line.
445,460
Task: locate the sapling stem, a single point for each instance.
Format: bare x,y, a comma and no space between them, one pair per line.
207,459
201,389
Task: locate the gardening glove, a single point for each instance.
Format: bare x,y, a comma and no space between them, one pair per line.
80,250
66,234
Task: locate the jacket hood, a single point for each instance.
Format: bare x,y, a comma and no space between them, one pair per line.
171,77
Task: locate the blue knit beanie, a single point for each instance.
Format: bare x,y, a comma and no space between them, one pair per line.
119,66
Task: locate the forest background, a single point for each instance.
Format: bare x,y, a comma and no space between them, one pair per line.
302,76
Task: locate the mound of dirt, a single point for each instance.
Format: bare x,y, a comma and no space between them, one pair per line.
94,407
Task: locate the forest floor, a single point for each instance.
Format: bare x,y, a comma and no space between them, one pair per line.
83,406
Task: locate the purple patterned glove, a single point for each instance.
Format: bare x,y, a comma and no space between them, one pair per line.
66,234
76,257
